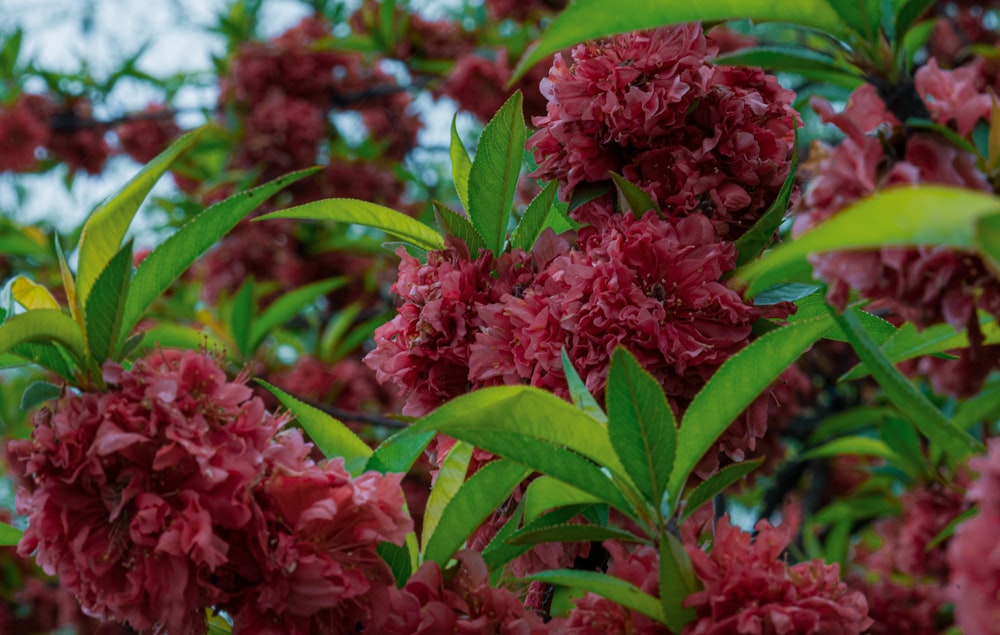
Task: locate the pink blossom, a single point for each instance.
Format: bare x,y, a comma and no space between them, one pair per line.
957,95
24,128
148,134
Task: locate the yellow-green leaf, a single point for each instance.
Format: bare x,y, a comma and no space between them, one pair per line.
31,295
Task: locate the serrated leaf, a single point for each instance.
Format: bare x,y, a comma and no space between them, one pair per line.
753,242
546,493
615,589
170,259
69,284
288,306
641,425
448,481
461,166
106,305
592,19
349,210
499,552
9,536
47,356
105,228
42,326
677,582
631,196
803,62
535,218
734,386
956,443
572,533
478,497
495,171
38,393
578,392
399,560
586,192
399,452
785,292
896,216
31,295
240,317
331,436
716,484
454,224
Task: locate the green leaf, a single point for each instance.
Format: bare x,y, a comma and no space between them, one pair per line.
592,19
578,392
9,536
677,581
807,63
785,292
454,224
478,497
494,173
838,539
572,533
240,317
527,411
45,355
860,446
448,481
586,192
641,425
984,406
863,16
896,216
44,326
38,393
399,561
399,452
909,13
988,238
106,305
750,244
349,210
499,552
105,228
546,493
69,284
535,218
614,589
178,336
461,166
716,484
908,342
955,442
633,197
331,436
849,421
288,306
734,386
170,259
949,529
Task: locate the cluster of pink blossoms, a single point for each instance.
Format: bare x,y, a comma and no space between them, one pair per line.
747,587
651,106
175,491
924,285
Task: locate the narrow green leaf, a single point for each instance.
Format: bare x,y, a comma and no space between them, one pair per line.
863,16
956,443
331,436
454,224
169,260
494,173
179,336
785,292
288,306
105,228
478,497
241,316
586,192
860,446
677,581
349,210
550,459
902,437
641,425
448,481
949,529
38,393
849,421
752,243
734,386
909,342
716,484
460,165
807,63
9,536
897,216
988,238
535,218
43,326
528,411
578,392
546,493
399,452
592,19
909,13
983,407
45,355
399,561
633,197
838,539
106,305
572,533
499,552
69,285
612,588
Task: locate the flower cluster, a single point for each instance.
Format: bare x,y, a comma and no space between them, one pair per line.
174,491
651,106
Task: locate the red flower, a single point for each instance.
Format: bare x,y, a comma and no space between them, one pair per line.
148,134
24,129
